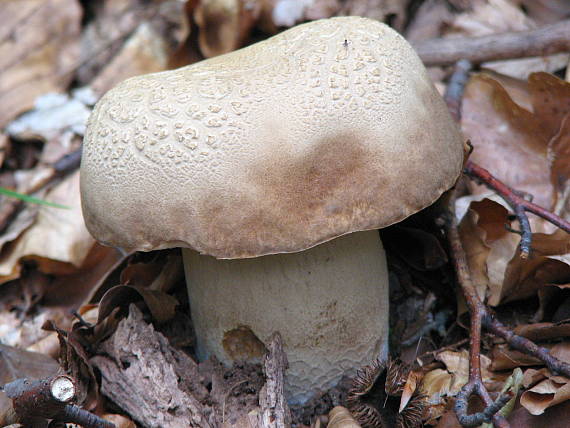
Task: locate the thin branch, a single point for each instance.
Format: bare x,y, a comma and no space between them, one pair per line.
480,314
546,40
478,311
518,203
34,402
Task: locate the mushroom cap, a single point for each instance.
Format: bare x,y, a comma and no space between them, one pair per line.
328,128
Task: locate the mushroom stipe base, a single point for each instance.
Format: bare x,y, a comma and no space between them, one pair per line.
330,304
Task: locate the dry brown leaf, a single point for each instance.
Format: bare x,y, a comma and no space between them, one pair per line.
556,417
559,154
545,390
516,88
517,145
38,50
457,363
4,146
113,21
119,421
428,21
145,51
161,305
448,420
547,11
188,51
550,98
508,140
74,360
505,358
225,25
76,288
340,417
497,268
24,335
379,10
483,234
544,330
58,241
437,385
162,272
412,382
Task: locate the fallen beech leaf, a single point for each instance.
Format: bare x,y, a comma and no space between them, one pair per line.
340,417
161,305
529,151
492,252
548,392
556,417
115,21
516,88
414,378
161,273
119,421
145,51
74,289
437,385
559,154
544,330
457,363
549,96
38,49
224,25
505,358
488,246
74,360
4,145
379,10
16,363
508,140
58,240
547,11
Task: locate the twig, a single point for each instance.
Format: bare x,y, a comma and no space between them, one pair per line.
477,310
480,314
546,40
518,203
34,402
456,86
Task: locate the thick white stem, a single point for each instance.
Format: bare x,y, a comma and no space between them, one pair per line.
330,304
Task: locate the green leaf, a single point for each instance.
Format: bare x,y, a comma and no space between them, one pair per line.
31,199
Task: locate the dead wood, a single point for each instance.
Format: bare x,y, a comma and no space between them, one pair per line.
273,412
141,375
546,40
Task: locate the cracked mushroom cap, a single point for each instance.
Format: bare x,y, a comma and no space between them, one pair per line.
328,128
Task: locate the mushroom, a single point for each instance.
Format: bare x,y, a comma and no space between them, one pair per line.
273,167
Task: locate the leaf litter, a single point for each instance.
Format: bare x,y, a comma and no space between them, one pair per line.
518,123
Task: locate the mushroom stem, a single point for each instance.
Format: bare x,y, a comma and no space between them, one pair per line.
330,304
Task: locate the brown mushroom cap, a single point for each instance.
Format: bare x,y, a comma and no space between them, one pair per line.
328,128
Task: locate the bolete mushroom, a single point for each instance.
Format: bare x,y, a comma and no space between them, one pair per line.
273,167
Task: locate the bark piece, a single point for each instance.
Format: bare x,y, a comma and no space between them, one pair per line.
143,375
274,412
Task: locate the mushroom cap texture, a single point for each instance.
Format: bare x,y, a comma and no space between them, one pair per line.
328,128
